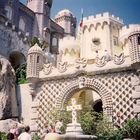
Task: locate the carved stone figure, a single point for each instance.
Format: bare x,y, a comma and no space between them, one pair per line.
119,59
7,82
47,68
62,66
100,62
81,63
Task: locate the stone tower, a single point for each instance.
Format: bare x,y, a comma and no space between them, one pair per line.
66,20
134,45
42,13
34,61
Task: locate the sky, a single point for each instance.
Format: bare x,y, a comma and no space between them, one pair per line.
128,10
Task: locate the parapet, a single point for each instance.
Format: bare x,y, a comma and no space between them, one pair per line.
69,43
103,16
128,30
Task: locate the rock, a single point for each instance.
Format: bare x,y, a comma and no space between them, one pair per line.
6,125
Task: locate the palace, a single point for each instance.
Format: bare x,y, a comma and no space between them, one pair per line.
98,65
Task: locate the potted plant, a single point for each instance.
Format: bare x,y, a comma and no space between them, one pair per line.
131,129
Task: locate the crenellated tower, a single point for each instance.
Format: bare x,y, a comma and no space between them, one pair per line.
100,33
65,19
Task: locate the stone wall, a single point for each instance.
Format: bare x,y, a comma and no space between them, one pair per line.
115,90
24,102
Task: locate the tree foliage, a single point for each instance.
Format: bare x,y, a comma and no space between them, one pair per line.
41,43
21,74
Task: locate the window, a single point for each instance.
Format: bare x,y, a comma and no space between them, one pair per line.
37,59
115,41
21,24
9,11
54,41
138,40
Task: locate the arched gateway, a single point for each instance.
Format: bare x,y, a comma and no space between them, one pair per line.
115,90
87,83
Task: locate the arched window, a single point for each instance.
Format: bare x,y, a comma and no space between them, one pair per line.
54,41
37,59
22,24
9,12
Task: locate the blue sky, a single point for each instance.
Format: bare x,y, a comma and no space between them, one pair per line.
128,10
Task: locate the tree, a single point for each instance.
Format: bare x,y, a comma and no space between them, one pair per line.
21,74
41,43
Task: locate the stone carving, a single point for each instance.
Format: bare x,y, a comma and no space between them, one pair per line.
74,109
81,63
62,66
47,68
119,59
7,82
135,81
100,62
81,82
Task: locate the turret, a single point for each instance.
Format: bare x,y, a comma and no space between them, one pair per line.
34,63
41,8
134,46
66,20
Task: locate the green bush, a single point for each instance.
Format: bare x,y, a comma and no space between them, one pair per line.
35,137
3,136
131,129
86,117
42,44
21,74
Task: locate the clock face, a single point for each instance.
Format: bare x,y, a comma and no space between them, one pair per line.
95,44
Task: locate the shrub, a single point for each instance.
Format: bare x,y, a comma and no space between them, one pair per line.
35,137
3,136
131,129
21,74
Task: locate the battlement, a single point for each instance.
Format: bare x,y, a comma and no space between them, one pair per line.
69,43
105,15
69,38
127,30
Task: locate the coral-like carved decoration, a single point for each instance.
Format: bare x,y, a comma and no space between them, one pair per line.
100,62
81,63
47,68
81,82
62,66
135,81
119,59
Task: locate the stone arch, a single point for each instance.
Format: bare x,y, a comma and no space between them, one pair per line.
92,84
16,58
104,24
97,25
90,27
85,28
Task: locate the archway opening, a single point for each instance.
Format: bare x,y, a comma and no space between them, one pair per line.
97,106
16,59
87,98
